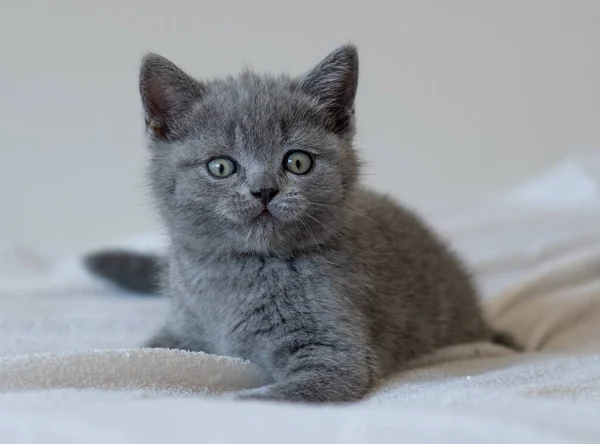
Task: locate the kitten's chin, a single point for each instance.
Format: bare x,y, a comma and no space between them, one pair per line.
268,232
268,235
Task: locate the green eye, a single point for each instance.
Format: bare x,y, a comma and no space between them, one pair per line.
297,162
221,167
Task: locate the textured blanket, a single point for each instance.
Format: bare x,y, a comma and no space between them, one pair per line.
70,370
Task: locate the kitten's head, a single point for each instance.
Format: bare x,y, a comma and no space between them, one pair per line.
252,163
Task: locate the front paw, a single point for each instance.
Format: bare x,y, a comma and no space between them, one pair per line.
260,393
304,391
164,339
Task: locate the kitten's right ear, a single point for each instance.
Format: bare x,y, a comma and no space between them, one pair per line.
167,94
333,82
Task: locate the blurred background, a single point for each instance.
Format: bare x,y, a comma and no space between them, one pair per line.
458,99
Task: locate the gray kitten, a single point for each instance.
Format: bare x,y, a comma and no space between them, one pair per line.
277,254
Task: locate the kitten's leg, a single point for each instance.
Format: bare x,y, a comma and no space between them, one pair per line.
317,373
165,338
178,339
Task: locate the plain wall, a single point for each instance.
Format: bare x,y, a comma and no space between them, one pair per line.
461,97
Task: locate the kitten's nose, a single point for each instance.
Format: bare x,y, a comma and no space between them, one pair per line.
265,195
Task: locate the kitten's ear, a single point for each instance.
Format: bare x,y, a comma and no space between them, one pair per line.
333,82
167,94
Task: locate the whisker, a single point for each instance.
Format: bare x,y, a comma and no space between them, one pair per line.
317,244
322,225
353,211
341,237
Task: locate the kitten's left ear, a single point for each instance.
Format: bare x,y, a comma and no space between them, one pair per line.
167,94
333,82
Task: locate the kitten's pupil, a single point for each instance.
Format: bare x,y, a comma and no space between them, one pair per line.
298,163
221,168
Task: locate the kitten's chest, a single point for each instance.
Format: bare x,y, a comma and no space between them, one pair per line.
248,302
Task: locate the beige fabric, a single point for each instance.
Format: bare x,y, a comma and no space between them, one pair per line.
68,372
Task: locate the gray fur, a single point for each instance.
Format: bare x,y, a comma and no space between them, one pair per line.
134,272
339,286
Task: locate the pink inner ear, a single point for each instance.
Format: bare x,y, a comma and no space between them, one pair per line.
158,100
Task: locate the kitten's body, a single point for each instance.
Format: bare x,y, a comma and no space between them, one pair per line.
330,287
383,291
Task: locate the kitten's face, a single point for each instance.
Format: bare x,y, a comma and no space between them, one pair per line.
254,163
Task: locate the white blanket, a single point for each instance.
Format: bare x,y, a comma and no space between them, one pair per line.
70,372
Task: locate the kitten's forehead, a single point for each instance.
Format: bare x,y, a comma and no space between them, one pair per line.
256,113
251,100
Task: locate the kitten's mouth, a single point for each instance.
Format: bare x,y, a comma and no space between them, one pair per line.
265,214
265,218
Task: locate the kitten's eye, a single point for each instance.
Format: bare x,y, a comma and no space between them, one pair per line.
297,162
221,167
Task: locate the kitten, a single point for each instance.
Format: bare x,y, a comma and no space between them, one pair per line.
277,254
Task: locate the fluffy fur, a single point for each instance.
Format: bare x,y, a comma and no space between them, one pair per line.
329,287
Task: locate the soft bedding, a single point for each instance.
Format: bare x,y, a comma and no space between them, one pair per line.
70,370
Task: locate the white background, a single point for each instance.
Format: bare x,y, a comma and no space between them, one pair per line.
460,97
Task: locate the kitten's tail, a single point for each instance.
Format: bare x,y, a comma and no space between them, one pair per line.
130,271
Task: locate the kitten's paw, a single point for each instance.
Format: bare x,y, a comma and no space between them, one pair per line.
163,339
292,394
153,343
261,393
